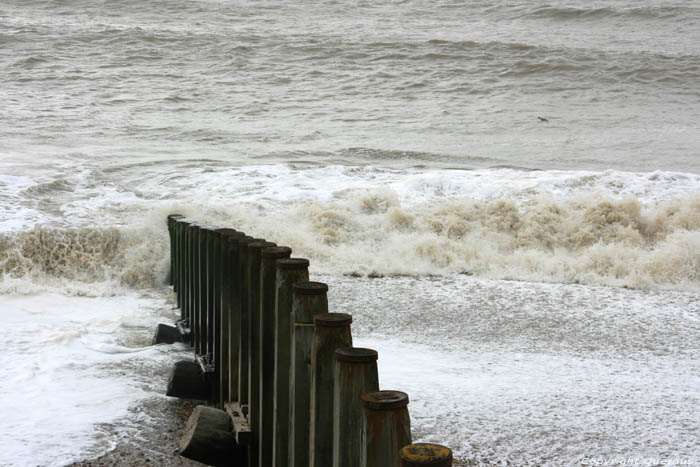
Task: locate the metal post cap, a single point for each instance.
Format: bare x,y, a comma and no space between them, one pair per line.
356,354
293,263
420,454
332,320
310,288
276,252
385,400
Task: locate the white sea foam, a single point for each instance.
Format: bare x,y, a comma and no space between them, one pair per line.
65,374
609,228
533,374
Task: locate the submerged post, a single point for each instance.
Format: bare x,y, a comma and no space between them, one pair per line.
425,455
268,276
355,374
309,299
289,272
331,332
386,428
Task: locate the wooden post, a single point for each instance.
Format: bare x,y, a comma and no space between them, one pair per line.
241,309
181,227
331,332
425,454
212,258
226,281
253,285
174,253
355,374
386,428
213,309
205,290
268,277
188,274
198,237
309,299
289,271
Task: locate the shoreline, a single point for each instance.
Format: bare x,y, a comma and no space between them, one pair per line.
156,443
153,443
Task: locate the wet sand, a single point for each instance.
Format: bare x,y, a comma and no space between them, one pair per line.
156,443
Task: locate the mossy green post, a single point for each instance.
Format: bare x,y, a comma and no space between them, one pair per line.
386,428
289,272
331,332
309,299
355,374
268,277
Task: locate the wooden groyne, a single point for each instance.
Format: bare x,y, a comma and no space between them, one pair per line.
283,383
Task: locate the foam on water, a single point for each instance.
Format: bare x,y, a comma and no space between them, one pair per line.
534,374
608,228
73,367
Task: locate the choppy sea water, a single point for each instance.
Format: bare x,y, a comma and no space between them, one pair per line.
505,195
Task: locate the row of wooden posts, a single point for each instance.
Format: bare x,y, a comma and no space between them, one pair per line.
288,387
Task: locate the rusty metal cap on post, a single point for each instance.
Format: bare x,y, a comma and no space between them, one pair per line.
385,400
276,252
293,263
419,454
356,355
332,320
310,288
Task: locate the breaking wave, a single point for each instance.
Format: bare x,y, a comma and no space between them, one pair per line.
588,239
123,257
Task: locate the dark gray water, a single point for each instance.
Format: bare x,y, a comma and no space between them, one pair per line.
456,84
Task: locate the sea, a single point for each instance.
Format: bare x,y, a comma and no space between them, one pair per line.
505,194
